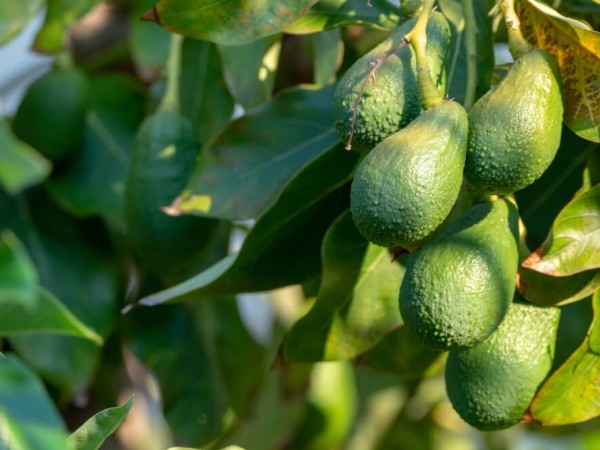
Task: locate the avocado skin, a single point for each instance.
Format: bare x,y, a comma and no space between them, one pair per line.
391,99
457,288
492,384
406,186
515,129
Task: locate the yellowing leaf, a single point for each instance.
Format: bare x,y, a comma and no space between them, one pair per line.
577,51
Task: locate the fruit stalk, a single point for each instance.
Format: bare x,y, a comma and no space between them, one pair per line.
471,46
517,44
170,101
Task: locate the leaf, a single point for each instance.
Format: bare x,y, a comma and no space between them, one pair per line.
357,303
60,14
571,393
328,14
547,290
246,168
148,43
18,276
229,22
291,231
15,14
94,183
577,51
573,244
45,315
28,419
20,165
203,94
250,70
328,51
94,431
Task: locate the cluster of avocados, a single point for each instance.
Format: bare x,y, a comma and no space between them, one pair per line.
458,291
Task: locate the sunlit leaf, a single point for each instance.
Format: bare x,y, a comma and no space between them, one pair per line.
95,430
573,244
28,418
20,165
577,50
357,303
571,393
15,14
229,22
18,276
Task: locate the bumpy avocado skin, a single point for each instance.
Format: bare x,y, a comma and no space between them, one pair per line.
457,288
391,98
515,129
491,385
406,186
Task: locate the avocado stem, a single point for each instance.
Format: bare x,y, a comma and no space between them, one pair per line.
417,37
170,101
471,48
517,44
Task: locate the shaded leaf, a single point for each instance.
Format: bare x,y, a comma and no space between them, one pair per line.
247,167
15,14
249,70
229,22
18,276
576,48
328,14
283,246
94,431
149,44
328,50
28,419
203,94
548,290
357,303
573,244
21,166
571,393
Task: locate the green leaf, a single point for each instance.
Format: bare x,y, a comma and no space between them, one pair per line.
328,14
573,244
45,315
291,231
94,183
18,276
571,393
28,419
149,44
94,431
247,167
249,69
203,94
357,303
60,14
229,22
576,48
20,165
328,50
547,290
15,14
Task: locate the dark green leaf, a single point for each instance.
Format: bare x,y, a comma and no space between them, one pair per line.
18,277
149,43
571,393
204,97
283,246
15,14
328,14
328,50
20,165
548,290
247,167
28,419
94,432
357,303
229,22
573,244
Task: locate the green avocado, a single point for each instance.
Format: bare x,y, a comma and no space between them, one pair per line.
515,129
457,288
391,97
492,384
406,186
51,116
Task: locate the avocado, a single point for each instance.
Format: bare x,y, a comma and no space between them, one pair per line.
457,288
391,97
492,384
515,129
51,116
406,186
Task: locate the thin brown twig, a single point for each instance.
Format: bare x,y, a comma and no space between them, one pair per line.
370,76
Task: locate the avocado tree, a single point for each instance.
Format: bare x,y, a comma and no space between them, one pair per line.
309,224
